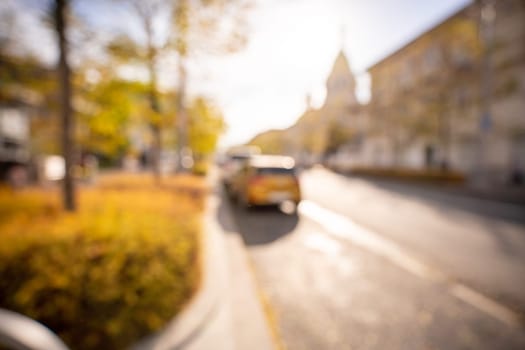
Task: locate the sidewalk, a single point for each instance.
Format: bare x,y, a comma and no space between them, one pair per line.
226,313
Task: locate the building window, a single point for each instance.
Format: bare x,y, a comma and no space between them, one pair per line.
406,76
461,58
432,60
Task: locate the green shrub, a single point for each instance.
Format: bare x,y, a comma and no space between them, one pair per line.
113,272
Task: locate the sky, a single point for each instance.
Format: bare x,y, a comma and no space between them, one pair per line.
292,45
291,50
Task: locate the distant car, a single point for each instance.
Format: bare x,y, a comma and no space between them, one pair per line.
265,180
233,162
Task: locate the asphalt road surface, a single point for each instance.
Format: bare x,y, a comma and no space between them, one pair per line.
375,265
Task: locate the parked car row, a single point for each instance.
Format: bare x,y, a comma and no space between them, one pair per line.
261,180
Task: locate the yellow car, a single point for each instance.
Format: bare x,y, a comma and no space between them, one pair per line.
265,180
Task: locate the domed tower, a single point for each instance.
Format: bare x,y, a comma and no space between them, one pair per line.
340,85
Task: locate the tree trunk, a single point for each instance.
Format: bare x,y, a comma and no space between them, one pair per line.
182,123
64,74
154,101
182,13
155,128
156,152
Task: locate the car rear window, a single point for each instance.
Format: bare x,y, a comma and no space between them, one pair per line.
275,171
239,157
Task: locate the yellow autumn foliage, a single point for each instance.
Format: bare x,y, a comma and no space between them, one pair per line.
116,270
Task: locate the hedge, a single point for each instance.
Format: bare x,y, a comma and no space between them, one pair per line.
421,175
109,274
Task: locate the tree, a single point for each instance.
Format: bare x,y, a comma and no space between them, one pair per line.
146,54
200,27
64,75
193,27
26,81
106,110
205,126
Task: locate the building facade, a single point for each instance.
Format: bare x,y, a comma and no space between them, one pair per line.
454,97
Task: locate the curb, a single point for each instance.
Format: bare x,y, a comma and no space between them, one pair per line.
192,321
225,313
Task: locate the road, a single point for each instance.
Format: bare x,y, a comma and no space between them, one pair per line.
375,265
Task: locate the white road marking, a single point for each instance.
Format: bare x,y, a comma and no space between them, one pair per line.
321,243
343,227
485,304
331,249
